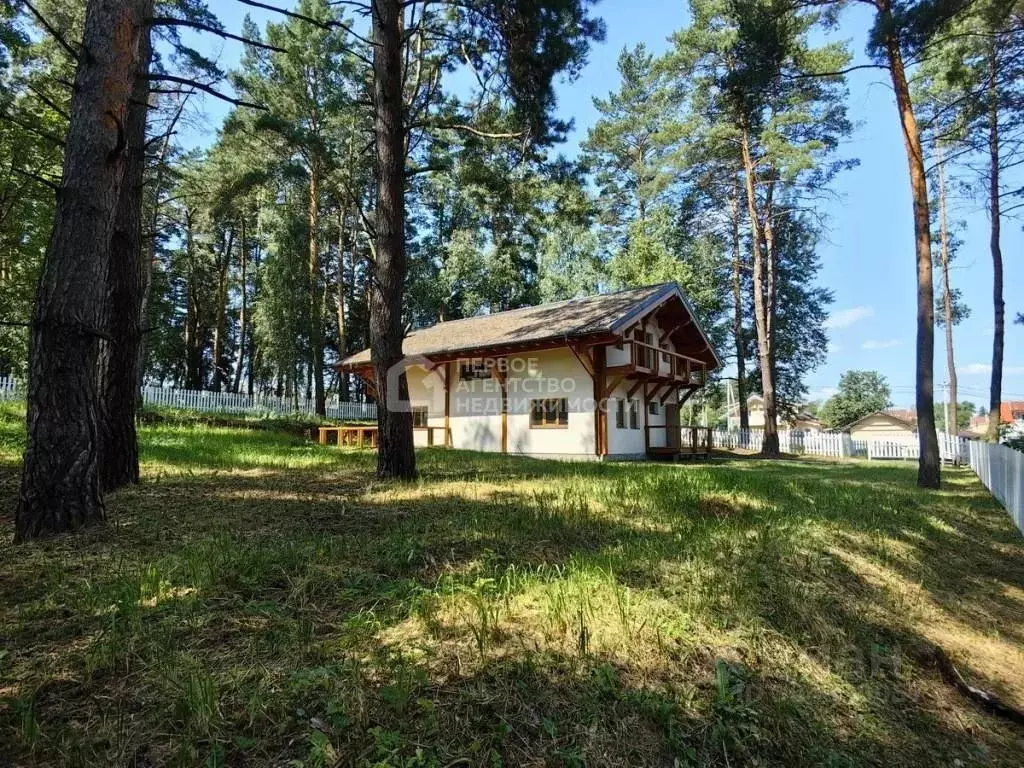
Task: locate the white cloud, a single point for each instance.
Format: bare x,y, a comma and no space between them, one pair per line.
886,344
979,369
844,318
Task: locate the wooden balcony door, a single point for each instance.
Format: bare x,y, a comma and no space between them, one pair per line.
672,429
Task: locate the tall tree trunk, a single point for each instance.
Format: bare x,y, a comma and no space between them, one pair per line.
220,328
995,397
193,342
928,468
737,310
395,455
150,240
119,368
257,256
952,415
340,301
770,443
316,321
243,317
60,484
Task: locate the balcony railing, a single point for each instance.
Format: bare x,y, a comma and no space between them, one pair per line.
648,359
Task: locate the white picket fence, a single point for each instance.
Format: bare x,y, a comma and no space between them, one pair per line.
231,402
9,389
1001,469
953,449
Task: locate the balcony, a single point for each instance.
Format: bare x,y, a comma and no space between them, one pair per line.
646,362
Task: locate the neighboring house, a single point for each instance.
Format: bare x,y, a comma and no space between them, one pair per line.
1011,412
789,417
882,425
978,425
598,377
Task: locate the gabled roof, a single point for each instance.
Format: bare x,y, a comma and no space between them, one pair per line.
576,319
885,414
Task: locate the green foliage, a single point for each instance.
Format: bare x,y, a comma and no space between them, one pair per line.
965,410
860,393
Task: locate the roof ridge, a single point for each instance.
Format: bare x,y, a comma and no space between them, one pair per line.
548,304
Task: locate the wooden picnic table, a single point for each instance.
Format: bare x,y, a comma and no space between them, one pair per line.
350,435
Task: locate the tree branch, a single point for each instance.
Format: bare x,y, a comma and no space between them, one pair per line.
837,73
471,129
53,32
204,88
307,19
47,101
170,21
32,129
28,174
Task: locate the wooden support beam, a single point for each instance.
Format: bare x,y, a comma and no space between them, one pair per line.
672,391
447,405
584,353
612,385
600,402
647,416
632,390
502,377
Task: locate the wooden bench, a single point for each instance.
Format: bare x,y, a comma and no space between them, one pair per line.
358,436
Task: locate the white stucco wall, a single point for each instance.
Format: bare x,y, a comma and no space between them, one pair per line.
475,410
475,414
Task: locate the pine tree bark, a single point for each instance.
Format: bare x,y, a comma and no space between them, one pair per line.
340,301
316,318
737,311
762,322
193,329
119,366
952,413
220,327
995,398
243,316
395,455
928,468
60,484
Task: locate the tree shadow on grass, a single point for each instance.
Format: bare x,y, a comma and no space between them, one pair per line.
274,584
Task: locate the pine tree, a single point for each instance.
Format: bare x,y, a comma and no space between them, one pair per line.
60,487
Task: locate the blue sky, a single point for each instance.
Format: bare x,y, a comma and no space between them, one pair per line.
868,250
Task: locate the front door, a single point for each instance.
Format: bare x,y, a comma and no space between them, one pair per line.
672,433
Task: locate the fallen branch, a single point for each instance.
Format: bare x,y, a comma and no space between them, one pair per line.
986,699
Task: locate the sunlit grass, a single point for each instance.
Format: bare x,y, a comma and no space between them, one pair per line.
262,600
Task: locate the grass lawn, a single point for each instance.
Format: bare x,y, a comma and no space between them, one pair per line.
261,601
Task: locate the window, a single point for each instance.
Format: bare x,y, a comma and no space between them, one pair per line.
620,413
552,412
653,408
419,416
634,414
474,369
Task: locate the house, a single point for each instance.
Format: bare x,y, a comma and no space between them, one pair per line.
789,417
978,425
882,425
596,377
1011,412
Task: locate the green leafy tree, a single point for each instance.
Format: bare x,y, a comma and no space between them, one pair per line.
859,394
964,410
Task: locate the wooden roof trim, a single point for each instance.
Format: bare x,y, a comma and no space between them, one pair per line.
503,350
